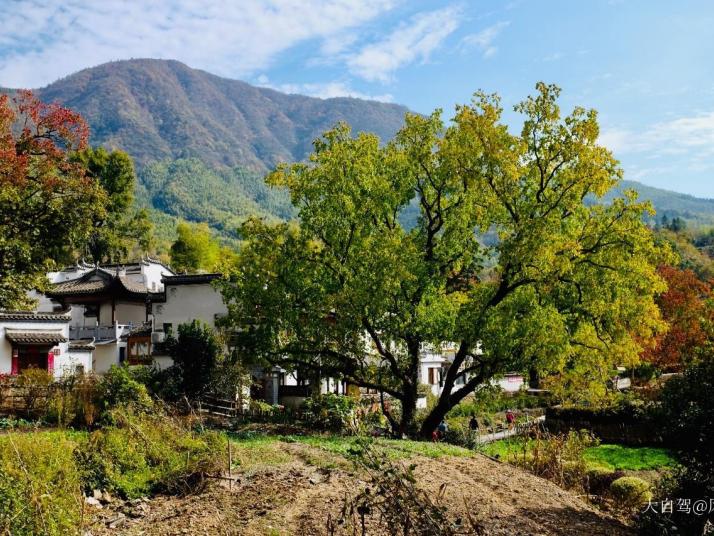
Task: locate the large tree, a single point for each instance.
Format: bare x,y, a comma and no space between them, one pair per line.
121,228
387,255
47,202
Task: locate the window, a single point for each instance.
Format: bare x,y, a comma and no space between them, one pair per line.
433,375
168,328
79,370
91,310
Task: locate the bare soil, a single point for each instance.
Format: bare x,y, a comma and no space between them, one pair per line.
300,496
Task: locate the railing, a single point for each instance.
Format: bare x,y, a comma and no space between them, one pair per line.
99,333
231,409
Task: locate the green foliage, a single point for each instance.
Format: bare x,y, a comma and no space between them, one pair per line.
331,412
197,355
492,399
40,488
195,249
121,229
687,417
193,191
631,491
47,203
145,453
568,286
118,388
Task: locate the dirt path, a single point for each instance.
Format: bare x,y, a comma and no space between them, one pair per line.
298,497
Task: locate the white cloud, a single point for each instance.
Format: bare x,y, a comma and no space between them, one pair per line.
692,135
412,41
327,90
42,40
484,39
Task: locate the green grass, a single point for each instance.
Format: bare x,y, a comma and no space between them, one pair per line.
252,450
608,456
622,458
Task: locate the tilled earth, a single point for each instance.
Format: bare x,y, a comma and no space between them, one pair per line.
305,495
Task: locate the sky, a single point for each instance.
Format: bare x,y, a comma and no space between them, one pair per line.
645,65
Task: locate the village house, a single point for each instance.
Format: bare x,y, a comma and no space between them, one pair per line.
94,317
41,340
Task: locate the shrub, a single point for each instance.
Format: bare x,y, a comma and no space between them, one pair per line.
118,388
330,411
630,491
196,354
74,401
560,458
598,479
40,490
687,417
143,454
34,384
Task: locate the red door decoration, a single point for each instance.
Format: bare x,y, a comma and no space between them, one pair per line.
15,363
50,361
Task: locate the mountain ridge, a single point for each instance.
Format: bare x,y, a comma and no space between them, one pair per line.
162,111
158,109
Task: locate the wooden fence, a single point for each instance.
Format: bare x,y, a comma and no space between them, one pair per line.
234,410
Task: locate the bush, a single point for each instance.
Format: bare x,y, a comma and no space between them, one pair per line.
34,384
118,388
560,458
144,454
687,417
74,401
330,411
599,479
630,491
196,354
40,490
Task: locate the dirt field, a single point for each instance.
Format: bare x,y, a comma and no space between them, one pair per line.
300,487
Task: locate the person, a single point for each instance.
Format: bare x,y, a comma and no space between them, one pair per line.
442,428
473,423
510,418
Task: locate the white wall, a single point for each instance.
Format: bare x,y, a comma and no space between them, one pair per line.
105,355
185,303
61,362
128,313
152,273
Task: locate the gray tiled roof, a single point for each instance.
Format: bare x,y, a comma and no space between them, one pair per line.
188,279
80,345
35,337
32,316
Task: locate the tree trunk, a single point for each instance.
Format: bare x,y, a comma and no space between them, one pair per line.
435,416
448,400
533,378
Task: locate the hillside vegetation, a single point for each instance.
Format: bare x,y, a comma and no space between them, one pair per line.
158,109
202,143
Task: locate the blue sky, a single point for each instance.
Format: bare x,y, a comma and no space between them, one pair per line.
646,66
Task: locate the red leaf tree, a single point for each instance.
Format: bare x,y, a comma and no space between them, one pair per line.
687,309
46,200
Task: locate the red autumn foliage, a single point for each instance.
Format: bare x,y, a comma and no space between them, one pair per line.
686,308
47,200
34,139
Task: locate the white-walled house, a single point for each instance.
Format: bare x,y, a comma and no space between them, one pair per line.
41,340
186,298
106,303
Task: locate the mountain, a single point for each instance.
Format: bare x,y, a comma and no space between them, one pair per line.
163,109
695,210
202,143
